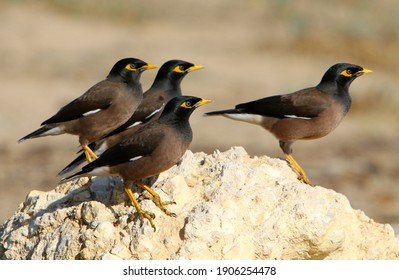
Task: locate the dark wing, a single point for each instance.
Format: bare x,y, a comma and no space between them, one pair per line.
153,100
81,158
151,106
96,98
306,103
222,112
141,144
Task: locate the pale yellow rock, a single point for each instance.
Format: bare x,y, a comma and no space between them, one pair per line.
228,206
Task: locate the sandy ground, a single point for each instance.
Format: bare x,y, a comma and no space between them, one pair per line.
51,54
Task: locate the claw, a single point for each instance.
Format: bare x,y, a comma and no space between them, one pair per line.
298,170
154,197
144,196
90,155
140,213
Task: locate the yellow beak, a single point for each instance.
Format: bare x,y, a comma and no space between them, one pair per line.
366,71
203,101
149,66
195,68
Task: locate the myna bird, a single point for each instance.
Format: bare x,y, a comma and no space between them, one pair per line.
165,86
305,114
104,107
153,149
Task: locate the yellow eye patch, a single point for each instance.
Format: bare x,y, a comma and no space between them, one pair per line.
178,69
347,73
131,67
187,104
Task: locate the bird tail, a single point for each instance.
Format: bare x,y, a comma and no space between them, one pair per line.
81,158
221,112
89,170
73,164
43,131
73,176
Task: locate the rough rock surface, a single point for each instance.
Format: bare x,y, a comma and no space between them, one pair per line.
228,206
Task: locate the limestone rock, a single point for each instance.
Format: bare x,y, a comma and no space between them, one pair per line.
228,206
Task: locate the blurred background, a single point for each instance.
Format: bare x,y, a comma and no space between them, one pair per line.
51,51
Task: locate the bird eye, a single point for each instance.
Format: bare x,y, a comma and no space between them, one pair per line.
347,73
131,67
179,69
187,104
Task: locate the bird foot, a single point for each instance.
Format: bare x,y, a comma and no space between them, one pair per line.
154,197
142,214
159,203
304,179
90,155
298,170
150,197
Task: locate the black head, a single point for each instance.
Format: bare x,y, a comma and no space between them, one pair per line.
128,69
173,72
181,107
342,75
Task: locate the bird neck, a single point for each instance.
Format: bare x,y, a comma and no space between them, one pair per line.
180,123
334,87
345,100
338,91
133,81
136,86
167,84
175,117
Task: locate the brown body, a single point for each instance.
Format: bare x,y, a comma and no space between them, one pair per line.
153,149
158,160
153,101
165,87
122,100
292,129
104,107
309,113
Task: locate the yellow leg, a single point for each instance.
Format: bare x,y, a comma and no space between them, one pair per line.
140,212
298,169
90,155
156,199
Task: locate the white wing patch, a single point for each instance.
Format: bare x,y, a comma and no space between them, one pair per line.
135,158
53,131
257,119
91,112
132,125
102,147
296,117
146,118
153,113
250,118
100,171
